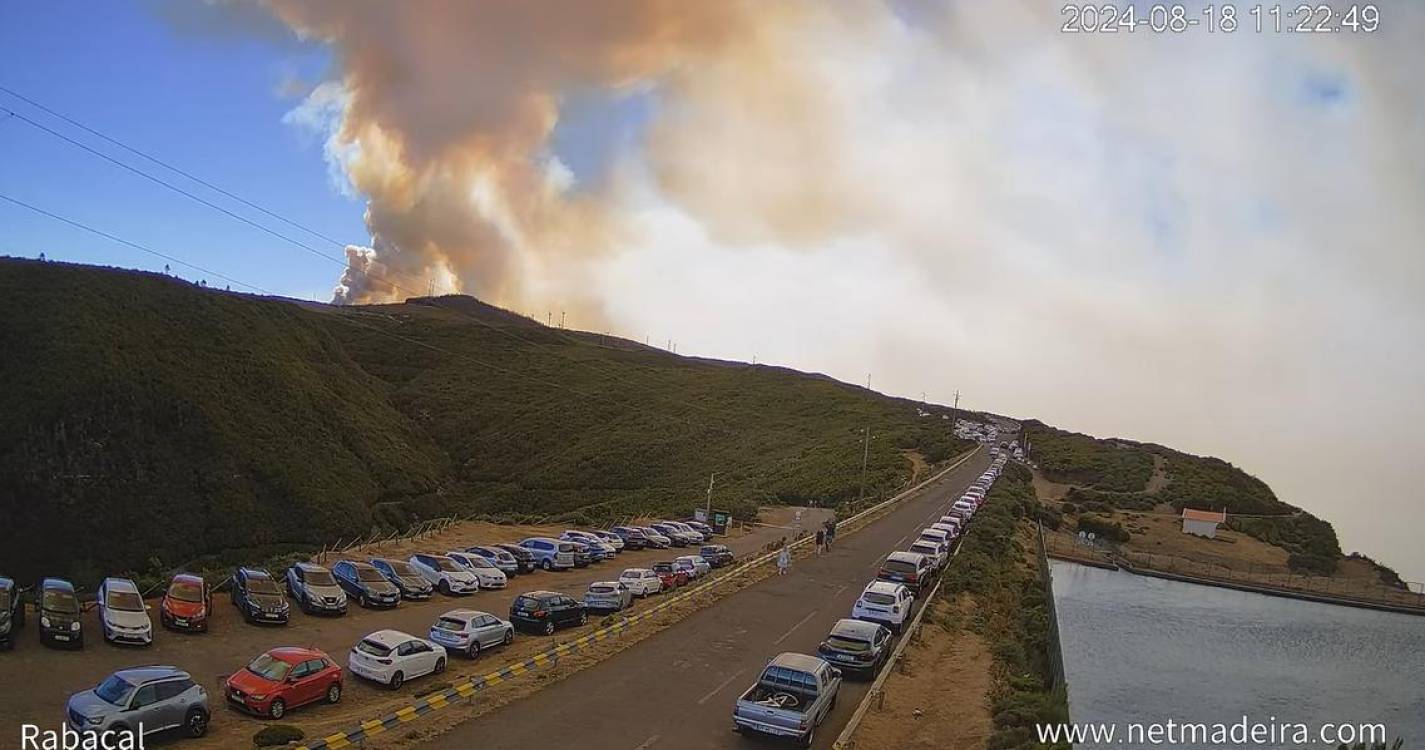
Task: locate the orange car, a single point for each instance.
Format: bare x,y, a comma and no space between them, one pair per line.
187,604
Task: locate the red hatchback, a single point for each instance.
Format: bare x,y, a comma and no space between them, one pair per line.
670,576
187,604
283,679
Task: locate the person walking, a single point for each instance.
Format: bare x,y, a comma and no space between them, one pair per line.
830,533
820,540
784,560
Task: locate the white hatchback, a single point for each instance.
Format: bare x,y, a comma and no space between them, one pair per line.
445,574
490,576
641,581
884,602
391,657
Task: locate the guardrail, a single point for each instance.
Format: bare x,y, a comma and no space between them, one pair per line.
466,690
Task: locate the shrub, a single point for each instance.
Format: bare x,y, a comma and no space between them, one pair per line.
276,735
1103,528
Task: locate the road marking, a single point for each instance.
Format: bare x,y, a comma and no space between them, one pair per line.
800,623
898,541
648,743
843,588
719,688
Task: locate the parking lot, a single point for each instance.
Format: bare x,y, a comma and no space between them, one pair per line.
232,643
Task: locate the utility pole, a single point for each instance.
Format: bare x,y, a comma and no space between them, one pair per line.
711,477
561,318
955,410
865,455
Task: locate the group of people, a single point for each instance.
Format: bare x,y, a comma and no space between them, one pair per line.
825,536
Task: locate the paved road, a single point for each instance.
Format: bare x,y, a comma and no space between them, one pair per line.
676,689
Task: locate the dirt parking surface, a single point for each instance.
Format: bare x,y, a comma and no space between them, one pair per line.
232,643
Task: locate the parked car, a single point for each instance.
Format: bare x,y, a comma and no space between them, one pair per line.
524,557
546,611
257,597
187,604
937,534
490,577
500,558
364,583
60,618
412,585
445,574
717,555
654,538
12,612
907,568
701,528
938,552
602,549
550,554
669,575
390,657
677,536
283,679
857,646
886,603
632,536
611,538
123,615
147,699
693,565
584,555
953,523
641,581
469,631
794,693
607,596
315,589
693,535
950,530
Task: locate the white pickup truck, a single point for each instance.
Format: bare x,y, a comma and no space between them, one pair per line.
791,698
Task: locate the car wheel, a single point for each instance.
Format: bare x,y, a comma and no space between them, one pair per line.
809,739
397,680
440,665
549,627
473,650
334,692
546,564
278,709
509,637
363,601
196,723
583,617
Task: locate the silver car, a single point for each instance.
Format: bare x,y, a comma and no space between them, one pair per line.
154,698
470,631
607,596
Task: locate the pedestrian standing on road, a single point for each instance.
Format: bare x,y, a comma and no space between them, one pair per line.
830,533
820,540
784,560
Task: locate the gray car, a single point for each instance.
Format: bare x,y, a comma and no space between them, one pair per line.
156,698
607,596
470,631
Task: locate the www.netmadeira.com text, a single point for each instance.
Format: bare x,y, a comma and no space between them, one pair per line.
1243,732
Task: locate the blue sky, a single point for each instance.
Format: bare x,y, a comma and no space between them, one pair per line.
206,103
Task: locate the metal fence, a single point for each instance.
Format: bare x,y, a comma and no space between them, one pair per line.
1046,578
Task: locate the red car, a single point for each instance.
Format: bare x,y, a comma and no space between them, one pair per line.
187,604
283,679
670,576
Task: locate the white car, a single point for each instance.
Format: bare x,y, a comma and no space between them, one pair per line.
490,576
936,551
445,574
694,564
123,614
884,602
952,522
963,505
641,581
935,536
391,657
950,531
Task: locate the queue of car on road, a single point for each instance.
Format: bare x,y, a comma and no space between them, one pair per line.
284,678
795,692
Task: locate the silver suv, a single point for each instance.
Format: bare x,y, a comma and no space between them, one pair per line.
147,699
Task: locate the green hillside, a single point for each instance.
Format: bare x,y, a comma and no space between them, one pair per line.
151,424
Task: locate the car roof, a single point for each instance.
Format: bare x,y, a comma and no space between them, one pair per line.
356,563
884,587
120,584
465,614
639,571
255,572
855,628
541,594
799,662
57,583
294,654
546,539
6,583
906,556
187,578
309,566
604,583
145,675
390,637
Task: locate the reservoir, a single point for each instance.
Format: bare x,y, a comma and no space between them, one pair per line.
1140,649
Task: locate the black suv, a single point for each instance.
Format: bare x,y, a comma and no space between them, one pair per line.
857,646
524,557
60,614
717,555
546,611
12,612
258,597
365,584
632,538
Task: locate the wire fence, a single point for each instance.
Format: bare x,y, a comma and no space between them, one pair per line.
1272,577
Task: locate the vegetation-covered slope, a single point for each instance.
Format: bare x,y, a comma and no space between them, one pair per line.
148,423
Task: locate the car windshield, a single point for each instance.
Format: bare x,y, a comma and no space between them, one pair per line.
125,601
186,591
450,623
843,643
373,648
114,690
878,598
526,603
447,564
319,578
369,575
477,561
663,567
4,599
899,566
925,549
261,585
602,589
631,573
60,601
566,547
402,569
269,668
